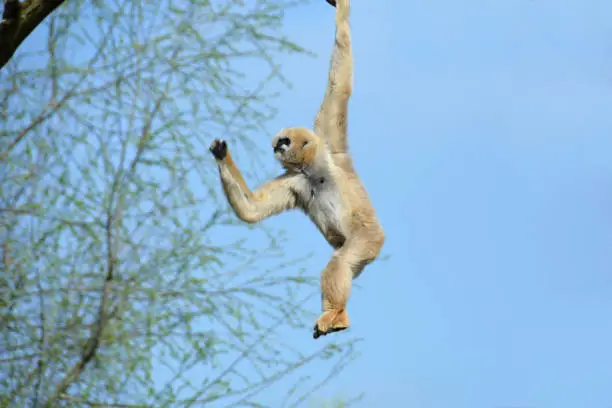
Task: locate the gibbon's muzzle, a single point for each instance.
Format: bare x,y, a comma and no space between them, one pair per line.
283,141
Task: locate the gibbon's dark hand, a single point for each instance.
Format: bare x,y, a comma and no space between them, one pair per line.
219,149
332,2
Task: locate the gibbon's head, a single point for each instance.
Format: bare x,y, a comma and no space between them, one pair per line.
296,147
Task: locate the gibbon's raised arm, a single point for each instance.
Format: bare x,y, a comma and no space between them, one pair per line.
331,120
273,197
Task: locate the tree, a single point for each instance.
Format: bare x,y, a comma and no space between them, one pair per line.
126,280
19,19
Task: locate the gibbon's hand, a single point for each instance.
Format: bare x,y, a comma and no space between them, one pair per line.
332,2
219,149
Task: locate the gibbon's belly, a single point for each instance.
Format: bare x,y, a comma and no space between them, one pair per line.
325,208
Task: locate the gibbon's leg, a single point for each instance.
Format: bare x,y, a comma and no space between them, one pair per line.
273,197
336,279
331,120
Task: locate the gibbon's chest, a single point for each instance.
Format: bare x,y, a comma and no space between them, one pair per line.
322,202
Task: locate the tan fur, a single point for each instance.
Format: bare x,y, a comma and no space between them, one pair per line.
321,181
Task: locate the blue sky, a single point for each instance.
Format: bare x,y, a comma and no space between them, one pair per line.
483,132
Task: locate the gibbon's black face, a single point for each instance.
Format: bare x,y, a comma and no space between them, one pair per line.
295,147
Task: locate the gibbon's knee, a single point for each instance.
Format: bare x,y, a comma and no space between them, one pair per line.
366,249
378,240
373,240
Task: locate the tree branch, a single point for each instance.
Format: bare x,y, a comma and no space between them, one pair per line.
19,20
84,402
93,342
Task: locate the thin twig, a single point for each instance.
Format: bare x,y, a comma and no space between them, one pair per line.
82,401
43,342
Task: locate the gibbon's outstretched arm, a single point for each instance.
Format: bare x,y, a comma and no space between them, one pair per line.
273,197
331,120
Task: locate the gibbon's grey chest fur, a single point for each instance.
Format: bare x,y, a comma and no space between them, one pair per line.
316,185
323,202
319,181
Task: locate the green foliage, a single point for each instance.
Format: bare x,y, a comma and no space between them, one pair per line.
124,279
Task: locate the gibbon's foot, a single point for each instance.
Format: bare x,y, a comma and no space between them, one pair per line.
332,2
330,322
317,333
219,149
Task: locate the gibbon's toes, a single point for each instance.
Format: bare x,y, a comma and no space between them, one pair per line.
219,149
330,322
332,2
318,333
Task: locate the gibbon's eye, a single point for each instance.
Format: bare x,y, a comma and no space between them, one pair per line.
305,143
283,141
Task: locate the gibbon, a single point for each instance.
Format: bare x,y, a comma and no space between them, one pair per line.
321,181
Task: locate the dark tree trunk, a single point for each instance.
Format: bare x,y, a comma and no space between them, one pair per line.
19,19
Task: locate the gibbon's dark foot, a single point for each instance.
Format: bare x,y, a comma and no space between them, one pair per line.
318,333
330,322
332,2
219,149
